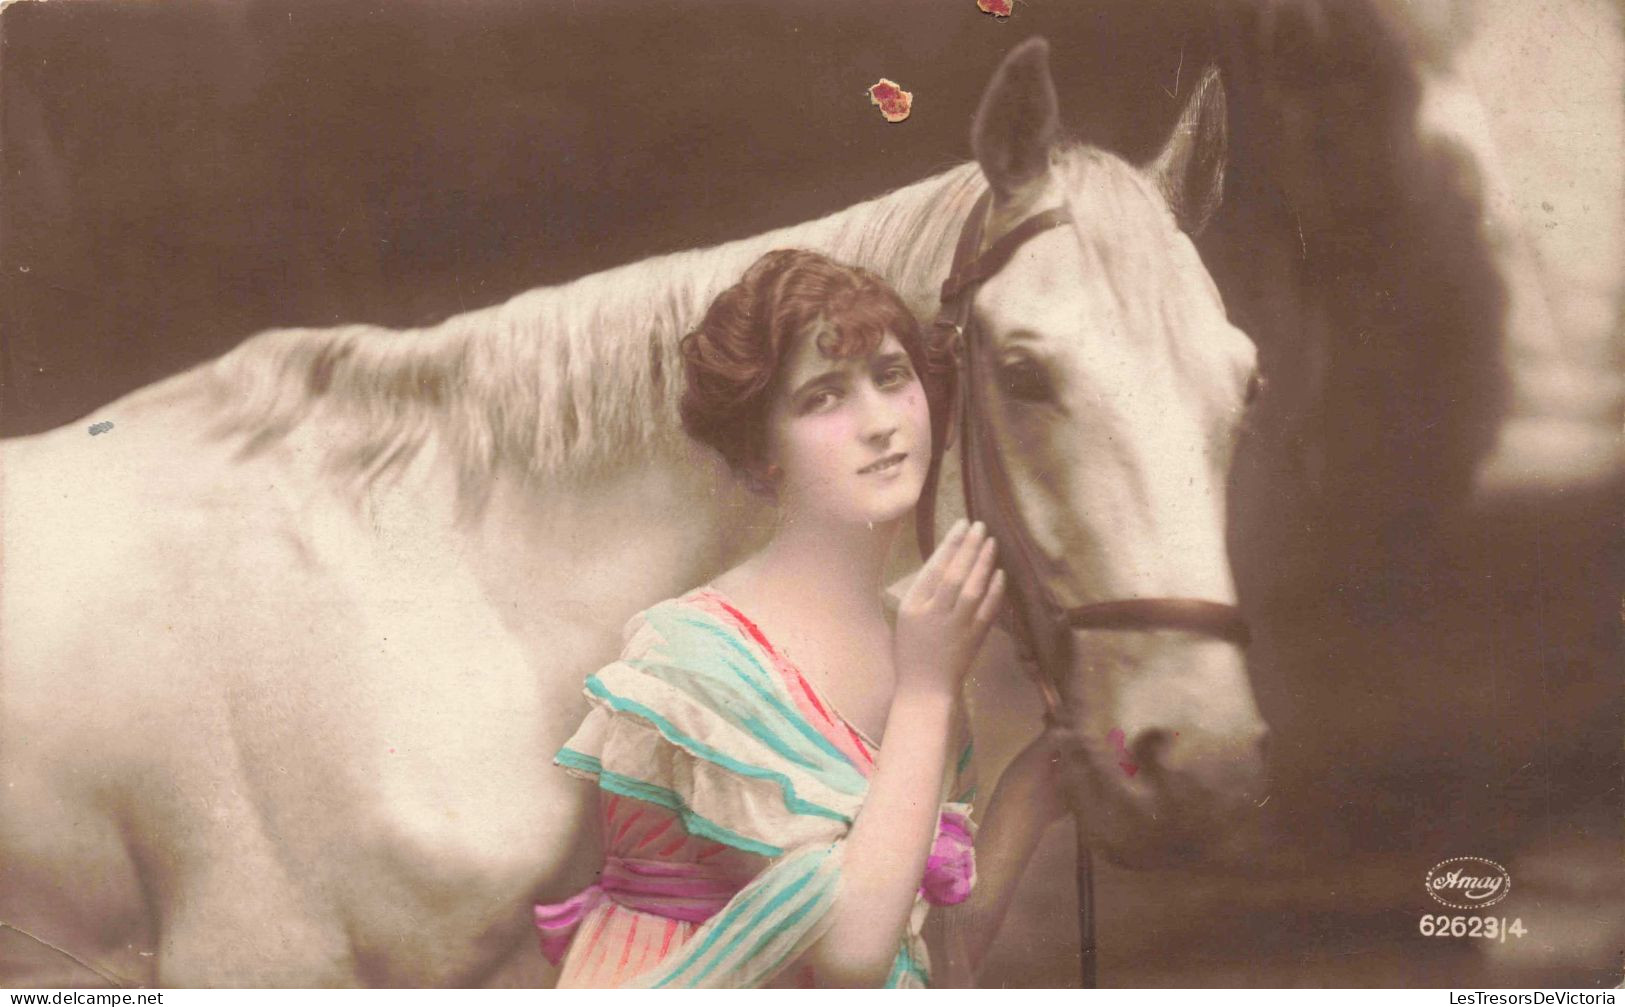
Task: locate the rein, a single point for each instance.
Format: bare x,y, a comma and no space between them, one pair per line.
1041,626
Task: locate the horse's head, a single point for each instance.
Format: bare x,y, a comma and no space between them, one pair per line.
1109,391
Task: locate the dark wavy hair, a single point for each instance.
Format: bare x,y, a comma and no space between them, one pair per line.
734,361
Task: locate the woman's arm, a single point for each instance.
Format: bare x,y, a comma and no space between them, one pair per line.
1026,802
886,850
940,625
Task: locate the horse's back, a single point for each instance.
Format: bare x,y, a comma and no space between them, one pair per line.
285,754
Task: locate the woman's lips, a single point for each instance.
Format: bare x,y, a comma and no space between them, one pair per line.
885,464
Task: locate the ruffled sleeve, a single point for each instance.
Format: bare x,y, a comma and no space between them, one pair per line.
694,718
691,720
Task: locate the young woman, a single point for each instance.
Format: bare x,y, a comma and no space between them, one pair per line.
756,833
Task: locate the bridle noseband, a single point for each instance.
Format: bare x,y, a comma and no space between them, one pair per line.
1041,625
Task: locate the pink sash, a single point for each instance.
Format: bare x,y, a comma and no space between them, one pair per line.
678,890
688,891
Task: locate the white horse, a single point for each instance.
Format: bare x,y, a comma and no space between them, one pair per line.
288,648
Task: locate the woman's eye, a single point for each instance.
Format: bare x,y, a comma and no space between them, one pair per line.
820,401
894,377
1025,379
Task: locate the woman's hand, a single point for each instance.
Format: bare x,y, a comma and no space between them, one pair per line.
1029,799
945,616
1033,783
940,624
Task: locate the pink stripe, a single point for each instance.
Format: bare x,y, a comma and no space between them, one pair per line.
591,955
783,665
682,890
656,834
678,890
665,945
625,867
600,958
603,921
643,959
867,756
671,848
556,924
806,690
801,690
626,826
667,888
626,952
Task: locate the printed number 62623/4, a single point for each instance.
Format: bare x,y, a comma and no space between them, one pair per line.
1493,928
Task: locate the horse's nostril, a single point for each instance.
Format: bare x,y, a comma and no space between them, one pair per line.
1150,748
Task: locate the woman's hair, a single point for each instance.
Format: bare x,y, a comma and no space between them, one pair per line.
735,359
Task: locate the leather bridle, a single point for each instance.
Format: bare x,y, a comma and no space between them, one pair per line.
1042,626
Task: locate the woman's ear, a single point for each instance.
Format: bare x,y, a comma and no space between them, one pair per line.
762,477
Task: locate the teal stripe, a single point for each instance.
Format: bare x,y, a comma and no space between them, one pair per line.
718,634
756,921
905,964
722,699
727,638
968,797
964,758
792,800
741,903
793,719
694,822
824,895
735,911
792,922
896,970
569,758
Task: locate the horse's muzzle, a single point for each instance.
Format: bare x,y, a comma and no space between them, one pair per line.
1169,750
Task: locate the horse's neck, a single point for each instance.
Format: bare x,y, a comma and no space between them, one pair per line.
906,237
698,521
567,394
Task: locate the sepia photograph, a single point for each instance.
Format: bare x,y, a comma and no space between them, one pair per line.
762,493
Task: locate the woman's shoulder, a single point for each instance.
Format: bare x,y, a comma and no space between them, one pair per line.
694,599
702,600
700,618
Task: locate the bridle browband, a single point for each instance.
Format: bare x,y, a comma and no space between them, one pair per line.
1041,625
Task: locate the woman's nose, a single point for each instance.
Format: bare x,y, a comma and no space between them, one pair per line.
880,417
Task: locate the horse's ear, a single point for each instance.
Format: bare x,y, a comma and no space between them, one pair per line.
1190,169
1018,120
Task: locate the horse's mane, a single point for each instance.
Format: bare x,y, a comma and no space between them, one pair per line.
559,381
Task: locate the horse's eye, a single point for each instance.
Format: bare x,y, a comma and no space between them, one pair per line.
1025,379
1255,387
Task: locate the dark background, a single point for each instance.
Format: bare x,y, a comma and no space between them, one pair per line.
1442,673
182,175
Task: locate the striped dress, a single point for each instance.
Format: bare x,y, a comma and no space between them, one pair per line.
727,784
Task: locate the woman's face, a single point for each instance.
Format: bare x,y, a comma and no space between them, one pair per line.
852,436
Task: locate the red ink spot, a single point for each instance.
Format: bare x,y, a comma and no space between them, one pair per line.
893,101
391,751
1119,744
998,8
